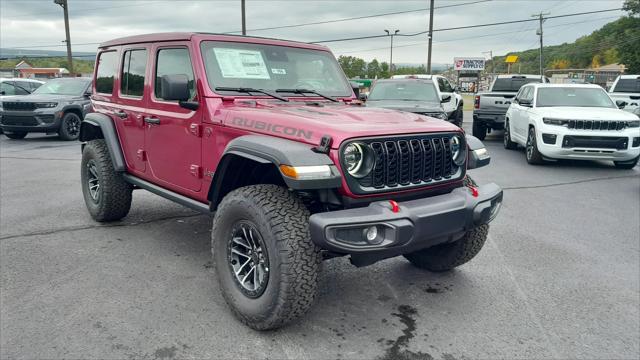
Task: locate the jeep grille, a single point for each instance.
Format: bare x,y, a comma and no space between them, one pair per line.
407,162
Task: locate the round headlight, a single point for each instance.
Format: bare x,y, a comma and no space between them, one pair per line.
358,159
458,153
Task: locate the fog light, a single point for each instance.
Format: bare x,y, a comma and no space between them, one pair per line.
371,235
549,138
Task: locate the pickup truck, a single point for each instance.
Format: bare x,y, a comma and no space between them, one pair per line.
490,107
626,88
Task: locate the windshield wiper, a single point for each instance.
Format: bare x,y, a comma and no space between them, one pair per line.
250,90
306,91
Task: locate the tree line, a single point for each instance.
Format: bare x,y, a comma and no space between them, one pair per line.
355,67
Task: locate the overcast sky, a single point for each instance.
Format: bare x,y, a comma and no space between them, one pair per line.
38,24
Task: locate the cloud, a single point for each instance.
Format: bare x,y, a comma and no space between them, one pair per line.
37,23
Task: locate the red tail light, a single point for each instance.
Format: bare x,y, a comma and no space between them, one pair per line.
476,103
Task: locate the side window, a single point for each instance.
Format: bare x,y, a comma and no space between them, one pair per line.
173,62
107,67
446,85
441,85
134,68
21,88
520,93
34,85
7,89
527,94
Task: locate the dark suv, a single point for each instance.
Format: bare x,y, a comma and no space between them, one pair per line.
268,135
58,106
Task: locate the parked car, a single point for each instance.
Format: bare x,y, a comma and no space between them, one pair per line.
490,107
58,106
626,88
455,103
262,132
412,95
560,121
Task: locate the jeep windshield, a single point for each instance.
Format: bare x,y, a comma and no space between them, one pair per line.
272,68
75,87
582,97
410,90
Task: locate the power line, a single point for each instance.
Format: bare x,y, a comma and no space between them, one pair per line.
81,9
359,17
469,26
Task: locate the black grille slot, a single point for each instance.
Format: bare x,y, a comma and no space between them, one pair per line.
392,163
428,160
378,171
438,168
404,174
416,161
447,157
19,120
19,106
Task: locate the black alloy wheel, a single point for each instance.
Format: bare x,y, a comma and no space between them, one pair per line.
248,259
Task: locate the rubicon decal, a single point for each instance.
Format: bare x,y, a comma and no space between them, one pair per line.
273,128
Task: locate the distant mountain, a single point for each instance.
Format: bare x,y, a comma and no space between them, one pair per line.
19,53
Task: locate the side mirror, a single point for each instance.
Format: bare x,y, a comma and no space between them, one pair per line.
2,92
478,156
176,87
88,93
362,97
456,89
526,103
356,88
445,98
621,104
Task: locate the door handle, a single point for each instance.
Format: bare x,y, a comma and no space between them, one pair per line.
152,120
121,114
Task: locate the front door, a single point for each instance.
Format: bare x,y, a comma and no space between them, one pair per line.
173,133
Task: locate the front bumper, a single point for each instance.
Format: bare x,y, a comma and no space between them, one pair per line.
42,120
620,145
418,224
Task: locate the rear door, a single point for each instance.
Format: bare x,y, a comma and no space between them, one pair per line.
173,133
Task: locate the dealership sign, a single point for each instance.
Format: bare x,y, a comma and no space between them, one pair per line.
474,64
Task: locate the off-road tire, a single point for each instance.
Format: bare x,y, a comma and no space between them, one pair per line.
626,165
508,144
479,130
282,221
17,135
534,157
445,257
114,195
69,127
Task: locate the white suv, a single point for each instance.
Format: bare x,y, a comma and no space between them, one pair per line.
566,121
453,106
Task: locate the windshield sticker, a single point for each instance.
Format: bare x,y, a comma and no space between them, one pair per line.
241,64
279,71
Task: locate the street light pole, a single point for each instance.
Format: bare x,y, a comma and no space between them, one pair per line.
430,37
244,22
391,55
65,7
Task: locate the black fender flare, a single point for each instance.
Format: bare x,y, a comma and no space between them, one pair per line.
276,151
99,126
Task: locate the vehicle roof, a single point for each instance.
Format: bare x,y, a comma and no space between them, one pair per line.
630,76
21,79
413,76
188,36
511,76
547,85
406,80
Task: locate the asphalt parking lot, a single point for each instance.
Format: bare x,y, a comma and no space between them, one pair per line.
558,278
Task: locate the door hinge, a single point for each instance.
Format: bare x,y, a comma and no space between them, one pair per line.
142,155
195,129
196,170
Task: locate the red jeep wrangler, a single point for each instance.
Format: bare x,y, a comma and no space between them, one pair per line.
268,134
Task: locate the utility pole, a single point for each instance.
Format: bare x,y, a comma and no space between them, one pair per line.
539,32
391,55
65,7
244,22
430,36
490,52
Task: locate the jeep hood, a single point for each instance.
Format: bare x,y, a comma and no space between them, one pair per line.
584,113
42,98
309,123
